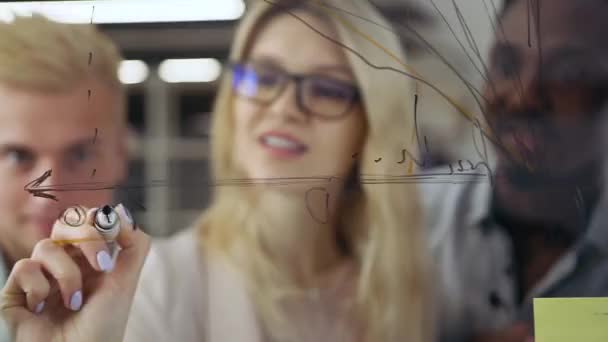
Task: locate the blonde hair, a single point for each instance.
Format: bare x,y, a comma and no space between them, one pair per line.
39,54
383,220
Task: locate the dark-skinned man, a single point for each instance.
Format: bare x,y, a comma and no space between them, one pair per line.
538,229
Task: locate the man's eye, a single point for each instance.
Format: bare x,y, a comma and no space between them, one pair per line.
20,157
81,155
508,67
507,61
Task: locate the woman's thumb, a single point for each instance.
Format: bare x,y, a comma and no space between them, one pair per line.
134,246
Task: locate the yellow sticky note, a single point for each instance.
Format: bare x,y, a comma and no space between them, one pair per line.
571,319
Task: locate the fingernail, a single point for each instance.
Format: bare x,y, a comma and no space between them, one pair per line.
127,213
104,261
76,301
39,307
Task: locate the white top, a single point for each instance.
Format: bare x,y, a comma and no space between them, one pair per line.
185,296
174,299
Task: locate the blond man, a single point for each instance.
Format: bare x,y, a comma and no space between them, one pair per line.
62,109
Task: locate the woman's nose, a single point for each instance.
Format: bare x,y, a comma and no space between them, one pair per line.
287,104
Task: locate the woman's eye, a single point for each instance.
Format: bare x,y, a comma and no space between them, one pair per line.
267,78
332,91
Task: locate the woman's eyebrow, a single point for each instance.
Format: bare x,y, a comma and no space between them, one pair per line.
266,60
335,68
276,63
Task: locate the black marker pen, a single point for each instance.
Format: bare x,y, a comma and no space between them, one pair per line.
107,224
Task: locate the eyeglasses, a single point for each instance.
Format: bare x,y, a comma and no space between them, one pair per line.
321,96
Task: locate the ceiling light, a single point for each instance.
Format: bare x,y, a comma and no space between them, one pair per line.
132,72
126,11
190,70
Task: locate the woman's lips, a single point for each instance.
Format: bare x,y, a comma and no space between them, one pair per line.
282,145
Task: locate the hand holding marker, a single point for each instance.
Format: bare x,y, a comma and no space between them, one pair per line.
75,275
106,222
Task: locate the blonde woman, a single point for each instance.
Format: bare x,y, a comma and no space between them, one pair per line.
295,246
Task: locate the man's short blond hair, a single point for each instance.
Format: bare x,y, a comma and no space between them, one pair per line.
39,54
